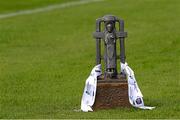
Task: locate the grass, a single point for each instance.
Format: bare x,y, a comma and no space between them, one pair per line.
45,59
16,5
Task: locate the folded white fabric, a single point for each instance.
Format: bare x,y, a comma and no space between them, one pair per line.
135,95
89,93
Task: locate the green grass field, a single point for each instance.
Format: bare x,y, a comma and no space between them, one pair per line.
45,58
7,6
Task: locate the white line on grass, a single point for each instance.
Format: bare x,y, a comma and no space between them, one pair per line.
48,8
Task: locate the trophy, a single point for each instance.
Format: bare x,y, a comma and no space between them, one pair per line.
112,87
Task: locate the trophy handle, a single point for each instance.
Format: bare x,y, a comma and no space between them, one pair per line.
98,42
122,44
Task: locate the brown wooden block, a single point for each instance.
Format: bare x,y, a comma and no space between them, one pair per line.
111,93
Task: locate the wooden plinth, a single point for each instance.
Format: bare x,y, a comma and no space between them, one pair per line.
111,93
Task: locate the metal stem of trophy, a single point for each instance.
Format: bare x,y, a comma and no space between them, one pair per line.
109,37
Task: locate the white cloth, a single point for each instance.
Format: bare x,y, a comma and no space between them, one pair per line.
135,95
89,93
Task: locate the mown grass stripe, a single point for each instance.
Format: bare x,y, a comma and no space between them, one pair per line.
48,8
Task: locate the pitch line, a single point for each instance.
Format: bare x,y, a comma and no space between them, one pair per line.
46,9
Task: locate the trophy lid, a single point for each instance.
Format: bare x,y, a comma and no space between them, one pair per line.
108,18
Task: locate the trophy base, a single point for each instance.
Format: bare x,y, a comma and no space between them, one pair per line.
111,93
